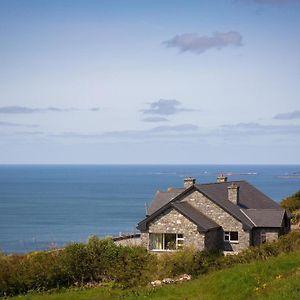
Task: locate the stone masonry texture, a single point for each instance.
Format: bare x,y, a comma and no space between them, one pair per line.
221,217
171,221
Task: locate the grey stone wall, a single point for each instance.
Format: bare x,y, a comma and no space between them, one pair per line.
272,234
171,221
130,241
216,213
145,240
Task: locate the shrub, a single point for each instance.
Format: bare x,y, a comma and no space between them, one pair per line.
176,263
133,266
291,203
102,255
102,260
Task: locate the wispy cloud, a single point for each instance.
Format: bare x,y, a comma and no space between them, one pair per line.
10,124
165,107
288,116
246,129
172,131
200,43
155,119
30,110
269,2
181,132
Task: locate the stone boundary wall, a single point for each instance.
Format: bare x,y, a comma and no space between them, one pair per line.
128,240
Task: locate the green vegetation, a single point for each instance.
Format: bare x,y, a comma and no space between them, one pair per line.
275,278
292,204
101,262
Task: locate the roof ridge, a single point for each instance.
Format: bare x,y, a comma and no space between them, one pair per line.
279,208
211,183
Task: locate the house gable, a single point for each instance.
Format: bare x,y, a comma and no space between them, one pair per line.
220,216
172,221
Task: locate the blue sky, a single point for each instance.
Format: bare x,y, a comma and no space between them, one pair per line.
150,81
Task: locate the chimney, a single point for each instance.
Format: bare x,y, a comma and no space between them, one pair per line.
233,193
221,178
188,181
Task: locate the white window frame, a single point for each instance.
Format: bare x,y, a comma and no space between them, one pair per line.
177,241
227,235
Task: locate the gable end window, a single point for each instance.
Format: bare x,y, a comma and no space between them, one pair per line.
231,236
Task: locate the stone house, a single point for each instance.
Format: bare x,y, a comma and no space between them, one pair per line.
229,216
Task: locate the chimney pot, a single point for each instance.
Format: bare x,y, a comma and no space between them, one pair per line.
188,181
221,178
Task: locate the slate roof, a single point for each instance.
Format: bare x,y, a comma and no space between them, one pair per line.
162,198
265,217
249,196
255,209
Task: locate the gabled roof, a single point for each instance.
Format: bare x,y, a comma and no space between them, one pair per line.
203,223
251,201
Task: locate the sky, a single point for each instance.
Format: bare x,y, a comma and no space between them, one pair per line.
150,82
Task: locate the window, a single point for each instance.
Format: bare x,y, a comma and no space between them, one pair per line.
231,236
166,241
263,237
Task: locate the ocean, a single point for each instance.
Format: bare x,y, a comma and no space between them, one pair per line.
45,206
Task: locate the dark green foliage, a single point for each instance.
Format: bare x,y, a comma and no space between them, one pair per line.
77,264
188,261
102,260
291,203
133,266
205,261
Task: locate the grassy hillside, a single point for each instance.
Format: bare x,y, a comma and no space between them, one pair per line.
275,278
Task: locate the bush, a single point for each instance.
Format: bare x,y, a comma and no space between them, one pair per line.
77,264
133,266
101,260
291,203
176,263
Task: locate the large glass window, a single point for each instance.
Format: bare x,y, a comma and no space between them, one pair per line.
231,236
166,241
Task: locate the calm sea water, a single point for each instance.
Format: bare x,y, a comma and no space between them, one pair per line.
44,206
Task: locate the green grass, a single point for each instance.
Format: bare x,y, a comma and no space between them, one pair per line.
277,278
